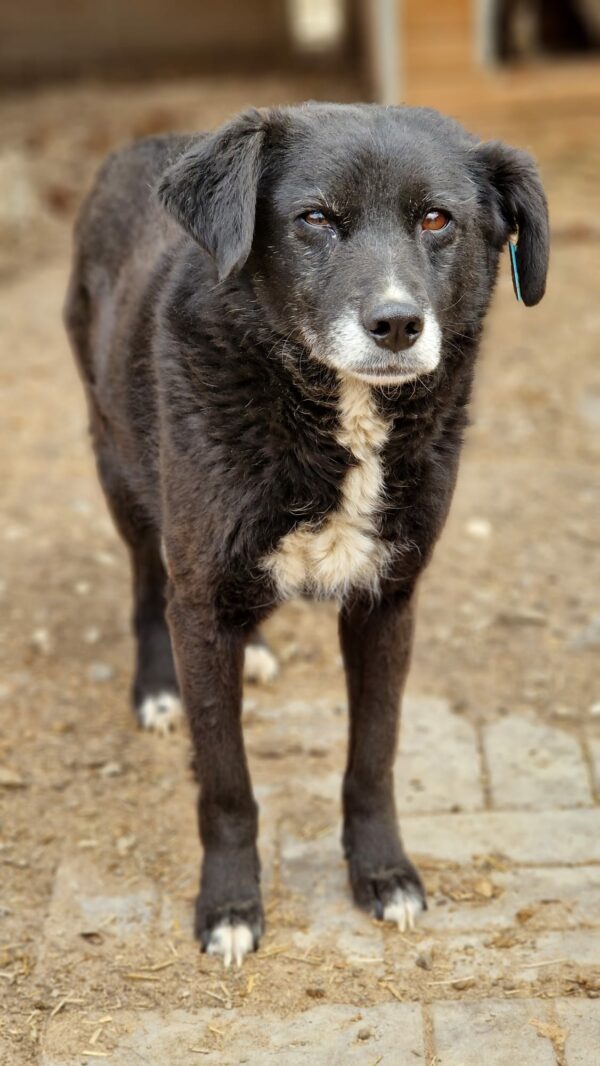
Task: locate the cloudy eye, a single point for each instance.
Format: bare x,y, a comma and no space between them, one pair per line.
318,220
435,220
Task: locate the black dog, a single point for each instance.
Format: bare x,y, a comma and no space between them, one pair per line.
276,325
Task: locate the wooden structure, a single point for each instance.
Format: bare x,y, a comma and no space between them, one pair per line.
440,53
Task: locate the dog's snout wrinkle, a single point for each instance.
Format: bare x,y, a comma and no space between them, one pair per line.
394,325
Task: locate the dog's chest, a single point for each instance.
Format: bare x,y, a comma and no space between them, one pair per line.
344,551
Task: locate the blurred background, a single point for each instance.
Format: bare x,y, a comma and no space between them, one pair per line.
77,77
509,621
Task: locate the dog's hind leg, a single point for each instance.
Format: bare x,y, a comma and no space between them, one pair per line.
155,691
376,643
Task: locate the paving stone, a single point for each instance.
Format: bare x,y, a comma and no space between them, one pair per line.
85,900
298,724
492,1032
581,1017
558,897
511,955
580,947
534,765
316,873
523,836
324,1036
438,763
437,768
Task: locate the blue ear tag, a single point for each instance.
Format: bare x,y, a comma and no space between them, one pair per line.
512,247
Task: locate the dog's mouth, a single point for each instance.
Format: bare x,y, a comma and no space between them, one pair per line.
388,373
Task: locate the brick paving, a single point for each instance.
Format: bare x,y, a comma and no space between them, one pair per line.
546,871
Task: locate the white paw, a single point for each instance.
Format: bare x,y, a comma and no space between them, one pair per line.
403,908
160,713
233,942
260,664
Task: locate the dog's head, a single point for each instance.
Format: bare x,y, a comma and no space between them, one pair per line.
369,234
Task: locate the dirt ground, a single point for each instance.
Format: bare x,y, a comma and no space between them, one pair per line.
509,610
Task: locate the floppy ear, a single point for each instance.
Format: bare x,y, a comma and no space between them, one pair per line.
522,205
211,190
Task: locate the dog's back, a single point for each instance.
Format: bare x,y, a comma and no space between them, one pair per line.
117,230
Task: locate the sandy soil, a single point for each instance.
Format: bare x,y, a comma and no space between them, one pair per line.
509,613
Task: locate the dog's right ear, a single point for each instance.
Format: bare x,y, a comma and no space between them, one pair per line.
211,190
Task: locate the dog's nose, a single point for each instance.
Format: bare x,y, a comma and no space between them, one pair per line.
394,326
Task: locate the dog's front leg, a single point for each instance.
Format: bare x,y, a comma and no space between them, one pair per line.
209,657
376,644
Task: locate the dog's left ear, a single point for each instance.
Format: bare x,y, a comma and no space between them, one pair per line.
211,190
522,207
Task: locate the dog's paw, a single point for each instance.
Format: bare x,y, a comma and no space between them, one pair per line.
260,664
232,941
404,907
231,932
160,713
392,895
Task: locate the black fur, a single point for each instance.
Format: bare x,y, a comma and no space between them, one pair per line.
203,336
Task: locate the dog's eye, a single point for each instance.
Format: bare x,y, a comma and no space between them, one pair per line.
317,219
435,220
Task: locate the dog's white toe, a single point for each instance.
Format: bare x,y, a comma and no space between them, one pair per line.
260,664
160,713
233,942
403,908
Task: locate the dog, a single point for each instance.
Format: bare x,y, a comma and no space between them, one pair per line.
276,325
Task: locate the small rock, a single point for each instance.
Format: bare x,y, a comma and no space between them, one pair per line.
41,641
101,672
82,588
11,779
111,769
595,709
479,528
463,983
365,1033
425,960
562,711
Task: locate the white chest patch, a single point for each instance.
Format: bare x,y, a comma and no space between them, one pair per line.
344,552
